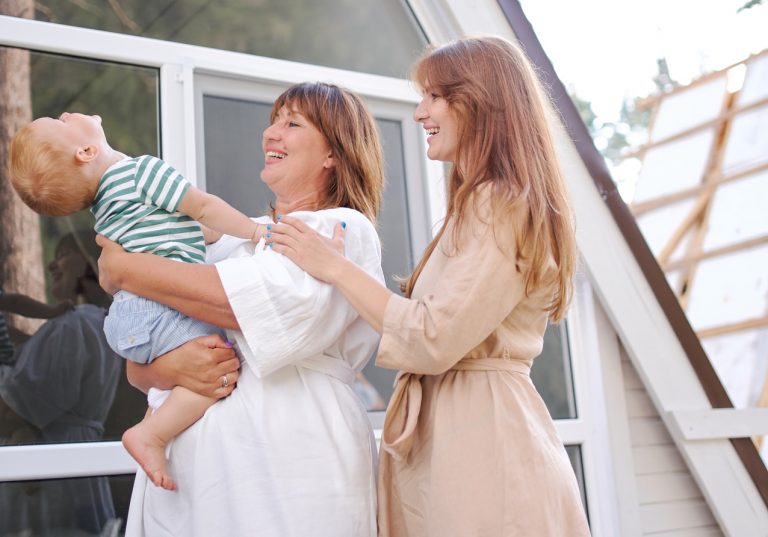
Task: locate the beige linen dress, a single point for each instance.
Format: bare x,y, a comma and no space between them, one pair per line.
469,448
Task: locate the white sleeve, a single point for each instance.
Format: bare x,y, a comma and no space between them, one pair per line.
286,315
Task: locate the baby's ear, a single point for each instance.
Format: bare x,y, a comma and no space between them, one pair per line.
86,153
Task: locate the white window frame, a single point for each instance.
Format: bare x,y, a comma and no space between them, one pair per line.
590,431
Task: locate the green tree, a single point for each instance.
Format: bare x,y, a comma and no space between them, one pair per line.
614,138
750,5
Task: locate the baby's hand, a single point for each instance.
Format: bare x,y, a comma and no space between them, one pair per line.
258,233
210,236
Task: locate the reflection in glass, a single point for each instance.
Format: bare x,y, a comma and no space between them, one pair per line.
233,161
321,32
551,373
77,507
59,388
59,381
125,96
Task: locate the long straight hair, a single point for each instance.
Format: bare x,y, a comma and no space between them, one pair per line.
504,141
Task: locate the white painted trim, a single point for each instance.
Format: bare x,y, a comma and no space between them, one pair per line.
480,17
589,332
174,135
620,490
64,460
436,19
714,423
571,432
445,20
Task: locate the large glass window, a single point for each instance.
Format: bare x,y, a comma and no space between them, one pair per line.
332,33
59,381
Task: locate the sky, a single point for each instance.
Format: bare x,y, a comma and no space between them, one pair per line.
605,51
609,53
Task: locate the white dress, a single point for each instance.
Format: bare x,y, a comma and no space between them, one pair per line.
290,453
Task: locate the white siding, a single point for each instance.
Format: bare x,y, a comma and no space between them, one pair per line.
670,503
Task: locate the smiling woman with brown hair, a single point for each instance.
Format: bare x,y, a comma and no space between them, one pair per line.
290,452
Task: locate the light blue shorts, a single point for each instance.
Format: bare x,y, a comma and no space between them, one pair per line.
141,330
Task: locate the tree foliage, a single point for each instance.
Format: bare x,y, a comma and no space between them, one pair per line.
614,138
750,5
322,32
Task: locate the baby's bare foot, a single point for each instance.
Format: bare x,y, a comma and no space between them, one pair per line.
149,453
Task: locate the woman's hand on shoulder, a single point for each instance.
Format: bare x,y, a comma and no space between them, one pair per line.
315,254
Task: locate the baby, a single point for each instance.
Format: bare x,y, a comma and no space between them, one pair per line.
61,166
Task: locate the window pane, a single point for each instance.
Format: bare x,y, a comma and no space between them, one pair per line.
65,507
126,97
375,385
551,373
233,162
59,382
321,32
574,454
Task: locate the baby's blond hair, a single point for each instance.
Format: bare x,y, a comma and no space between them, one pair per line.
41,172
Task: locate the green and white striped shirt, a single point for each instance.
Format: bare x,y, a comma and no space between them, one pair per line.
136,205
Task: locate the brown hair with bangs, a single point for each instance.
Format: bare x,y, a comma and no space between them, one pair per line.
42,174
357,178
504,141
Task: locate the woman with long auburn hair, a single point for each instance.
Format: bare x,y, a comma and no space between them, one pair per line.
468,446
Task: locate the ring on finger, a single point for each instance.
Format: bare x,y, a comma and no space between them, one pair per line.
224,381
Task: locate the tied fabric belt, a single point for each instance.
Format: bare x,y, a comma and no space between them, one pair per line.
333,367
400,423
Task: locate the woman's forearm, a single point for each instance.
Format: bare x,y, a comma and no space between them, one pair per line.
193,289
365,293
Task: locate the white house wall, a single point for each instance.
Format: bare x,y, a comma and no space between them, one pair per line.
670,503
655,493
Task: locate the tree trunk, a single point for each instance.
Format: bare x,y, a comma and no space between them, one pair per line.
21,256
